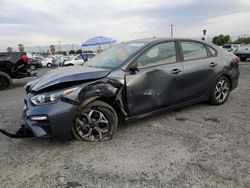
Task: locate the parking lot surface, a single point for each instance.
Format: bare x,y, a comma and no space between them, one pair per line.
196,146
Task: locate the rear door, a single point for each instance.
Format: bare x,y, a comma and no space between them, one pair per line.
199,66
157,83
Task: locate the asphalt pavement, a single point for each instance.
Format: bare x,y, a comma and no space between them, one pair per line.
196,146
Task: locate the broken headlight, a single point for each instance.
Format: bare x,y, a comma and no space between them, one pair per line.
51,97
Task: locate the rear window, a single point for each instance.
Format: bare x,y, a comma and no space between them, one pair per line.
193,50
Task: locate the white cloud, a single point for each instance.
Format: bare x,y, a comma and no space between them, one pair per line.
39,22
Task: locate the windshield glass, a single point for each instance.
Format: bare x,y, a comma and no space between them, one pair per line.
114,56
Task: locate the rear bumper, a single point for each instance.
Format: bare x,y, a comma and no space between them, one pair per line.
60,118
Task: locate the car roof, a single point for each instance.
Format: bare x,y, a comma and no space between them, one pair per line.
161,39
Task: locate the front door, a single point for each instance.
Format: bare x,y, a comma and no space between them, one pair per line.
158,83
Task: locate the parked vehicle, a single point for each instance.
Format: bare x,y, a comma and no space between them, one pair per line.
12,65
34,63
243,52
128,81
78,60
47,62
89,55
65,58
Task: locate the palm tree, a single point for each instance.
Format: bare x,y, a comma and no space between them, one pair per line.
52,49
9,49
21,47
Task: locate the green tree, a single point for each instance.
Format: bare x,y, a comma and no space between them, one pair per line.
52,49
72,52
242,41
78,51
221,39
21,47
9,49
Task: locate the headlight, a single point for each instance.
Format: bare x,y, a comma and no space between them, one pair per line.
51,98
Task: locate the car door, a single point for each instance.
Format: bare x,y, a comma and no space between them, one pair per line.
199,69
158,81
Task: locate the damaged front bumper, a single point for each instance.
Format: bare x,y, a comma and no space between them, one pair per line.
49,120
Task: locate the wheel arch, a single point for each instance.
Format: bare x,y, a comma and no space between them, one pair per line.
106,91
6,67
229,78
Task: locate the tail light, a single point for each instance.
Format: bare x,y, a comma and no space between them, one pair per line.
25,58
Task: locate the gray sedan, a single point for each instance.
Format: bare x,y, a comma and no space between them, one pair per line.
131,80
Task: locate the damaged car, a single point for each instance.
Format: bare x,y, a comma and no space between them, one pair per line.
128,81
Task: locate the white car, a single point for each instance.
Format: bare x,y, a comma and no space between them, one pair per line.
47,62
78,60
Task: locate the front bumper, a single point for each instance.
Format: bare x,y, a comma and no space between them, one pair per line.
60,118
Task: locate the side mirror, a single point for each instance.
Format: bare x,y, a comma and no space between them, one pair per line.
133,69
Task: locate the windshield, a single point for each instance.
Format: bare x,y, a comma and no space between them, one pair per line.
114,56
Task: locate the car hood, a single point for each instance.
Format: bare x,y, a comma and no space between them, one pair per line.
66,75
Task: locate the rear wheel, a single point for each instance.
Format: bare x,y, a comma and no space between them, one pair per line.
97,121
220,91
5,81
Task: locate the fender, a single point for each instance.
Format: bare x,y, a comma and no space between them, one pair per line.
106,89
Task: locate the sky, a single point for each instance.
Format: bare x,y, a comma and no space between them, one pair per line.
45,22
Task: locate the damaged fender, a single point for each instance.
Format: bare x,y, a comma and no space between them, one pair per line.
107,89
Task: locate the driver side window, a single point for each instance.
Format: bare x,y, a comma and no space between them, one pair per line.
160,54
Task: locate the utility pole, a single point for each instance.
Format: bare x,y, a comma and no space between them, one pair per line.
171,30
39,47
59,46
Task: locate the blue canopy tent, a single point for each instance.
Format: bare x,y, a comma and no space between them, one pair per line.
99,40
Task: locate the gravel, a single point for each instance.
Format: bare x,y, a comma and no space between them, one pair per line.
196,146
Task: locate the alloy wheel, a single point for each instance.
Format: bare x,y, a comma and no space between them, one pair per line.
221,91
92,126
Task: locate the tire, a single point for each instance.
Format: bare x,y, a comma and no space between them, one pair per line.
220,91
49,65
5,81
243,59
103,123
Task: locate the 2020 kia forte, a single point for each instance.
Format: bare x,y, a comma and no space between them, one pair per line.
130,80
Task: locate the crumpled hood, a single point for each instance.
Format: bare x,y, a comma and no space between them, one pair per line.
67,74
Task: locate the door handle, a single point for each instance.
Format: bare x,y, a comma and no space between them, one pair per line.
213,64
175,71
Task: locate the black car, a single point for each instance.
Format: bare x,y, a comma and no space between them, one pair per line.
35,63
129,81
13,65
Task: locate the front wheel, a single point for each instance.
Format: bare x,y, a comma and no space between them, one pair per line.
5,81
49,65
97,121
220,91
